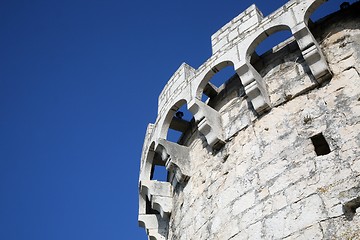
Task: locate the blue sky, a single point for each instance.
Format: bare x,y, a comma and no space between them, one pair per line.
79,82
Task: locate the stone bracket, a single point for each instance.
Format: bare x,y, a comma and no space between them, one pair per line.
156,226
312,53
255,88
159,194
209,123
177,159
162,204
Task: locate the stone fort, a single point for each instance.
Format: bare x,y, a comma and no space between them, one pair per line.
271,153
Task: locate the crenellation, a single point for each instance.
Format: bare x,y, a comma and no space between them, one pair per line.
234,22
273,152
249,18
177,83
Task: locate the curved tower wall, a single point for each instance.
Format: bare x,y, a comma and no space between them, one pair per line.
274,152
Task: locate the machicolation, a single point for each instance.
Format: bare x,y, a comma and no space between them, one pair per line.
273,152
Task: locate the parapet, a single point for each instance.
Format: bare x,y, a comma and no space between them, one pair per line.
175,86
239,26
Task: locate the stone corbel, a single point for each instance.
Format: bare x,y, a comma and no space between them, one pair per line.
209,123
156,226
177,159
161,204
255,88
311,52
159,194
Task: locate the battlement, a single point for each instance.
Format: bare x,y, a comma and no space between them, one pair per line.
259,114
246,31
177,83
244,22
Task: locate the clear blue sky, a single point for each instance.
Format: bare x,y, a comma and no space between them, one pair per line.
79,82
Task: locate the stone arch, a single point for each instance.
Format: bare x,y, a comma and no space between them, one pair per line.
147,162
262,36
311,8
309,46
255,87
216,67
315,16
153,158
207,114
284,53
174,119
158,164
169,116
153,210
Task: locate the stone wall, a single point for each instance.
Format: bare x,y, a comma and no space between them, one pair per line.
290,170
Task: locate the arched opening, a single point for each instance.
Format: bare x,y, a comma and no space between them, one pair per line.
153,169
337,19
270,43
179,124
158,171
222,75
154,166
322,19
318,13
276,56
221,85
272,49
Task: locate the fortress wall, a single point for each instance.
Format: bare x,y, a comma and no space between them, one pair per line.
287,168
268,182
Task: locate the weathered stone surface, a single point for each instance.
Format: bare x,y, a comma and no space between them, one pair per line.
269,179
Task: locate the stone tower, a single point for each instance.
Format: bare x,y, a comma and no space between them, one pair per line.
274,152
